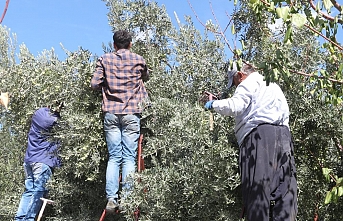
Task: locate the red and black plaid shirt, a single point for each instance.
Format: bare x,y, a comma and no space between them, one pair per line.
120,77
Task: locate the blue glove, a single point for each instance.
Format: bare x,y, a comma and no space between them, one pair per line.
208,105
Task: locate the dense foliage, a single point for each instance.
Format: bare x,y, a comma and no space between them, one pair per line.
191,171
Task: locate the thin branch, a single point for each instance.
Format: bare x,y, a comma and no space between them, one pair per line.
5,10
221,30
211,30
320,12
190,5
228,24
215,18
320,163
312,75
326,16
336,5
312,29
323,36
293,71
339,146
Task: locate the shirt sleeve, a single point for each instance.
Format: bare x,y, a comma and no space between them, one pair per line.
98,75
239,102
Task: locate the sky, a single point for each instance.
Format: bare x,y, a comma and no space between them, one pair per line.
45,24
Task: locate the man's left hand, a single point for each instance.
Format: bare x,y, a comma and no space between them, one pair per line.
208,105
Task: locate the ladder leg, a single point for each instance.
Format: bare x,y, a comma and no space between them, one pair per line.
103,215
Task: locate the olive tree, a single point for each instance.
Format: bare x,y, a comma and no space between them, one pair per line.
191,165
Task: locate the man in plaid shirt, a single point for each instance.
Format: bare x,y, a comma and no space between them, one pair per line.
120,75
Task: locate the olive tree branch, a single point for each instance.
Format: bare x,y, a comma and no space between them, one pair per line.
326,16
313,75
221,32
314,30
323,36
336,5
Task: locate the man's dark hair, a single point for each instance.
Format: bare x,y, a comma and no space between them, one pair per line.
122,39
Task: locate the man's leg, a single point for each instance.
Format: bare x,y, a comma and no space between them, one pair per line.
266,174
112,130
27,195
38,176
254,162
284,191
130,136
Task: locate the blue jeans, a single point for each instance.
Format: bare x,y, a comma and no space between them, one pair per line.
122,133
36,177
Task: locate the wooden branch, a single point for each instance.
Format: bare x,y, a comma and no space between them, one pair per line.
211,30
323,36
222,33
312,29
5,10
339,146
320,77
320,12
221,30
326,16
336,5
196,16
320,163
228,24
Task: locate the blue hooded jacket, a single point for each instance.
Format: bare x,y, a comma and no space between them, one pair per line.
40,147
